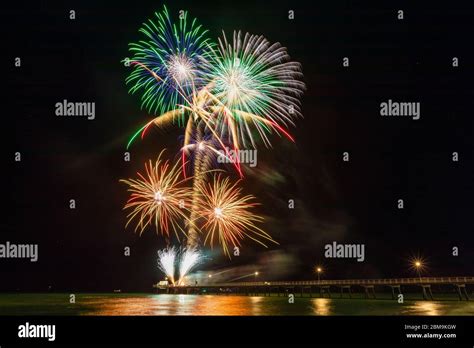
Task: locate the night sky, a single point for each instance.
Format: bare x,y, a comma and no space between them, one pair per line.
348,202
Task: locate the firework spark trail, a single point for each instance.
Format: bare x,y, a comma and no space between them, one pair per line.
220,272
166,261
190,258
242,277
210,151
203,150
193,236
227,214
158,198
201,168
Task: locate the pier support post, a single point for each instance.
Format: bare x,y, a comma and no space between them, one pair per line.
399,291
462,292
348,287
427,294
367,289
325,289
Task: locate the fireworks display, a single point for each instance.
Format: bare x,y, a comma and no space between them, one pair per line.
167,61
189,260
256,85
225,96
166,261
158,198
169,257
228,215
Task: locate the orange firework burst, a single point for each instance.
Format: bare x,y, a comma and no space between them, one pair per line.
227,214
158,198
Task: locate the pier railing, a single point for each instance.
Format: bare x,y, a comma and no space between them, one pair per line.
342,282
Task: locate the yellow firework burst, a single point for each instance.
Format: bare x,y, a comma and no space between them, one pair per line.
158,198
228,215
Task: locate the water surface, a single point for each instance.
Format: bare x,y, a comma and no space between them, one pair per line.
164,304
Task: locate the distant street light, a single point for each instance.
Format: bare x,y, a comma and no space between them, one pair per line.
418,266
319,270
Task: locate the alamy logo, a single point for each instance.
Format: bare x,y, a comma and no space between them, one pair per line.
238,156
345,251
393,108
37,331
75,109
20,251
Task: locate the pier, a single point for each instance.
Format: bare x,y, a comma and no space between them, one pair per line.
344,287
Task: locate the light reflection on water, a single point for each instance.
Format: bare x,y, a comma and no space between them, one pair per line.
322,306
164,304
428,308
258,305
177,305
